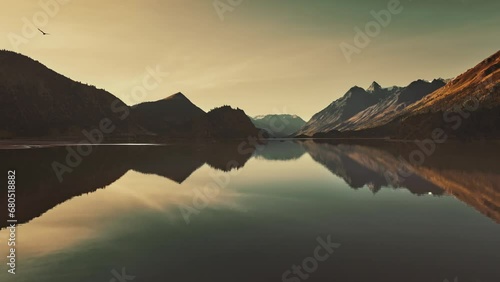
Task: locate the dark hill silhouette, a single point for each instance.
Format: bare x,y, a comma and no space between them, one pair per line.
36,101
166,115
225,122
177,117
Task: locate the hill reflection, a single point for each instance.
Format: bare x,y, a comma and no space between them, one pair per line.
469,172
39,189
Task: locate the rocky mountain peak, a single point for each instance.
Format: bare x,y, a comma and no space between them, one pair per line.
374,87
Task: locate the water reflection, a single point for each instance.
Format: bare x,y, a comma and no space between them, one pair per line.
279,199
39,188
469,172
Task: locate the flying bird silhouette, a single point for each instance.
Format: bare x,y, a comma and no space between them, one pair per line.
44,33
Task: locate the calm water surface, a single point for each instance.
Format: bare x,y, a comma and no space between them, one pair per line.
180,213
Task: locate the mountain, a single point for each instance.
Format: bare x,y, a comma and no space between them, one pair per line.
177,117
481,82
466,107
388,108
224,123
354,101
36,101
166,114
282,125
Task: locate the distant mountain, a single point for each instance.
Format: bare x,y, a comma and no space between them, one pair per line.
391,106
282,125
36,101
353,102
165,115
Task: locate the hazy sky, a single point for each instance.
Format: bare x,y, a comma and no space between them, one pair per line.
263,56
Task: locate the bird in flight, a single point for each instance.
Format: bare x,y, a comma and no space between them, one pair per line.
44,33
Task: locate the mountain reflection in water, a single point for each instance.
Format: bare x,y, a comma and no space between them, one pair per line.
470,172
119,208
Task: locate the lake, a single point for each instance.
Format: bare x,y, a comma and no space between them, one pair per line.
282,211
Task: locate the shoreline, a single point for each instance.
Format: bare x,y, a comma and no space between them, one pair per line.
46,143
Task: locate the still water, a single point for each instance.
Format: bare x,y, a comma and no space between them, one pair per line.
285,211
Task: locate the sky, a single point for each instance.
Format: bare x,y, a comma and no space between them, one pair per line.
263,56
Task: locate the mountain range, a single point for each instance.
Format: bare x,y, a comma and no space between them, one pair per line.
360,108
467,106
177,117
279,125
354,101
37,102
391,105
